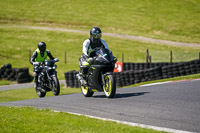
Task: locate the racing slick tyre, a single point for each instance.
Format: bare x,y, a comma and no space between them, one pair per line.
110,86
56,86
86,91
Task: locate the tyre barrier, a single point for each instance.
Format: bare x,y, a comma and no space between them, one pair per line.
71,80
148,72
21,75
144,66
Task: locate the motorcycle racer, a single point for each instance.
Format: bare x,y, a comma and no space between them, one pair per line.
40,55
89,45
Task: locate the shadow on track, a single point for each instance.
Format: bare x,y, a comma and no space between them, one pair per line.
123,95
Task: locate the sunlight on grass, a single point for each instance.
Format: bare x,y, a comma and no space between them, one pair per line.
28,119
169,20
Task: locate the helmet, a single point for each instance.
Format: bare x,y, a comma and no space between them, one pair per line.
95,33
42,46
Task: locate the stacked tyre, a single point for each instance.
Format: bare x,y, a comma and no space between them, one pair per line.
122,75
164,72
181,69
132,77
197,64
117,77
187,68
69,77
147,75
144,66
126,78
141,75
76,82
5,71
136,66
23,75
137,77
158,73
193,67
151,74
12,74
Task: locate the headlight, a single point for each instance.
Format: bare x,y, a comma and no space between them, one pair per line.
48,68
55,66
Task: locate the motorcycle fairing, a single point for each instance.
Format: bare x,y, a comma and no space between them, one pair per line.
104,63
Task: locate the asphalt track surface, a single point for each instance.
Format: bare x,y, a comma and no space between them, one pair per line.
174,105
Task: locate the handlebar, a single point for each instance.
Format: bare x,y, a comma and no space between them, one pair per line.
56,59
36,63
40,63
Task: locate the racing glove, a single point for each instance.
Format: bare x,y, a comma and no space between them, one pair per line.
90,60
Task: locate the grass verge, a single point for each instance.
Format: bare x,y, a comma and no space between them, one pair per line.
27,119
29,93
6,82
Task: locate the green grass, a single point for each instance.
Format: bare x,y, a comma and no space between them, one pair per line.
169,19
16,43
29,93
27,119
6,82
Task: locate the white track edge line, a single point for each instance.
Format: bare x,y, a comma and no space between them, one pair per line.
155,83
131,123
158,83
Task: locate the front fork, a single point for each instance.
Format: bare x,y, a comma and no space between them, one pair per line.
49,77
103,77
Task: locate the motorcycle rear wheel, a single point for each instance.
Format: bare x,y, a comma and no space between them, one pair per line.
110,86
86,91
56,86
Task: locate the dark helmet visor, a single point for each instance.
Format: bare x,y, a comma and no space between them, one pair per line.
42,48
96,36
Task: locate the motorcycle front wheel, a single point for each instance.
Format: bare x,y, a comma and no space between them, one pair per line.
86,91
40,93
110,86
56,86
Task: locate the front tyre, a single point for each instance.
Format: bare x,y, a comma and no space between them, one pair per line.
110,86
55,86
86,91
40,92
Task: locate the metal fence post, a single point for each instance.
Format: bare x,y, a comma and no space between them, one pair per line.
29,54
65,57
123,57
147,56
171,56
199,55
